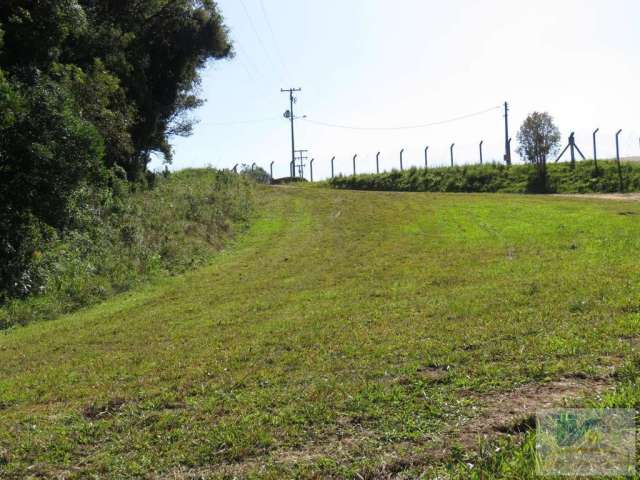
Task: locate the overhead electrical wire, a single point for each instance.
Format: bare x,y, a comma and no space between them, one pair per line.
275,41
241,122
407,127
404,127
244,59
255,31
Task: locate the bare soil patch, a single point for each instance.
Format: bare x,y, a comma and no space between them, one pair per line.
498,414
513,412
630,197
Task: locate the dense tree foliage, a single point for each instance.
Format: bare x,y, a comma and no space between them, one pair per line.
538,138
89,90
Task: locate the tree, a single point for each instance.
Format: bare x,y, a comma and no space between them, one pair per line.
89,88
538,138
133,66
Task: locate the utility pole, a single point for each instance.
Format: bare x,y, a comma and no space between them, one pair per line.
332,160
354,164
481,143
507,140
289,114
311,168
401,154
378,162
302,157
271,170
426,157
451,151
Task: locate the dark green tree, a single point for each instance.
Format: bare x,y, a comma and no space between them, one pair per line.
538,138
88,87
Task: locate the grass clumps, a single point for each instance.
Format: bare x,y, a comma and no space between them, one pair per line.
498,178
117,238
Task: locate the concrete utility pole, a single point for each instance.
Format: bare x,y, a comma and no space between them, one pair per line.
401,153
311,168
354,164
507,140
451,151
271,170
332,159
426,157
289,114
378,162
481,143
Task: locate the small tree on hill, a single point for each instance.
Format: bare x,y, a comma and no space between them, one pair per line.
538,137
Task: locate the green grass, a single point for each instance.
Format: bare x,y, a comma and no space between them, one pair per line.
300,352
561,178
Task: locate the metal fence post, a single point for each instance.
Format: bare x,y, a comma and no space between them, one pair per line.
618,158
595,149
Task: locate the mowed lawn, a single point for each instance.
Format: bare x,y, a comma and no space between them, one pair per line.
346,335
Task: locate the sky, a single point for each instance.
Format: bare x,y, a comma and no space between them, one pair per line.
380,64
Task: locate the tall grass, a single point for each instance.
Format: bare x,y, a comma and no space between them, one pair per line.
500,178
118,239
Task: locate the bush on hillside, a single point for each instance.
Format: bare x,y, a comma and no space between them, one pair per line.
492,178
114,241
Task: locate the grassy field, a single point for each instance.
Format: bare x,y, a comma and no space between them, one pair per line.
345,335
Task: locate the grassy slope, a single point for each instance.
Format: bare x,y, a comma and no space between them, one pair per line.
302,347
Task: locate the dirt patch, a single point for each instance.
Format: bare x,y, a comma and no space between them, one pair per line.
434,373
497,414
96,411
631,197
512,412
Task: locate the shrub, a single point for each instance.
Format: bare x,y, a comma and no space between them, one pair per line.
500,178
114,241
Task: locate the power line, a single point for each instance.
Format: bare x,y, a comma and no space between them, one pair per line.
406,127
275,41
255,31
242,122
244,56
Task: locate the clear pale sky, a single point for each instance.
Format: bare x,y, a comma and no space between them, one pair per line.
384,63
